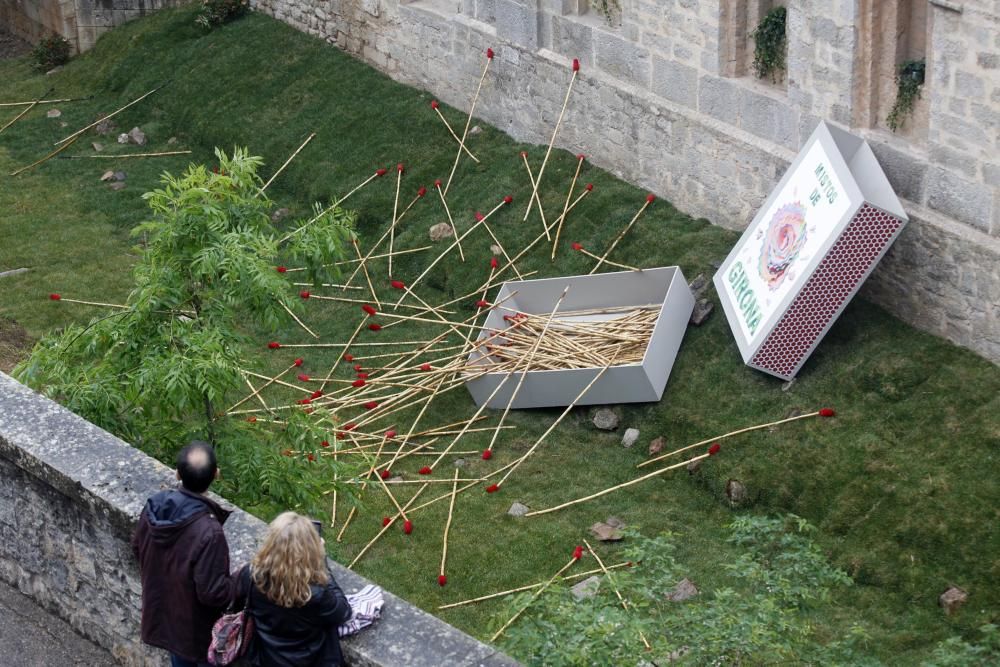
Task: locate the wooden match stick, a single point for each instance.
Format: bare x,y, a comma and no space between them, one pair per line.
534,596
434,105
378,172
64,99
619,486
395,207
386,526
60,298
531,177
442,579
18,116
649,200
364,268
123,155
44,159
399,509
385,234
824,412
541,170
528,587
444,202
503,251
468,121
553,425
270,381
114,113
298,321
555,243
343,351
290,158
583,251
611,582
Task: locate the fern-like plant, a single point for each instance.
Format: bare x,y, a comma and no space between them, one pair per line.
909,82
769,44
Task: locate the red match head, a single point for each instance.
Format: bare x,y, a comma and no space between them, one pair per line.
350,426
437,182
487,454
325,443
482,303
398,284
524,153
303,377
492,488
576,65
251,419
827,412
442,580
348,357
375,327
381,172
426,470
316,394
576,246
386,521
489,53
305,294
369,309
581,157
422,191
273,345
425,367
358,367
304,401
311,456
55,297
508,199
407,526
479,216
399,167
494,263
390,434
286,452
297,362
385,474
371,405
589,187
280,269
358,383
714,449
578,553
363,376
434,104
650,198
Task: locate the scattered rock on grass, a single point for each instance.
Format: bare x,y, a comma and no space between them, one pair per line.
117,185
97,147
475,130
279,214
496,250
107,176
698,285
517,509
123,138
736,491
119,175
105,127
656,446
684,590
702,309
606,533
630,437
53,113
171,141
952,599
458,463
441,231
587,588
605,419
137,136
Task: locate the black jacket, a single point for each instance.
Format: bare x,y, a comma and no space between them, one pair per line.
184,566
295,636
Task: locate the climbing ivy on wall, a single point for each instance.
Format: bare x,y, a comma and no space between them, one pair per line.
769,45
909,81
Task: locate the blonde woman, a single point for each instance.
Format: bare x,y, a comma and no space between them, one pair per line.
295,603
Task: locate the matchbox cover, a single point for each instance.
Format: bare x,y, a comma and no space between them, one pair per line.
807,252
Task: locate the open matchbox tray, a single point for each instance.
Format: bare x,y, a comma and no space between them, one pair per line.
629,383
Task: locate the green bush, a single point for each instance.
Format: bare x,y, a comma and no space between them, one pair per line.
217,12
52,52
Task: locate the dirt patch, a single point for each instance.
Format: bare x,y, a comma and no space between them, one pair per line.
11,46
15,344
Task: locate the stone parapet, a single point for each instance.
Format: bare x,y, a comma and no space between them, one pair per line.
70,494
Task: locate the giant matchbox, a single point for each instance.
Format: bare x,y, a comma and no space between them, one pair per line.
807,252
636,382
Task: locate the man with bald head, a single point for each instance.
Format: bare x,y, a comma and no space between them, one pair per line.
184,561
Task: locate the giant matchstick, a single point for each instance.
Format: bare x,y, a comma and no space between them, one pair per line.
555,244
650,198
442,579
468,121
435,105
577,553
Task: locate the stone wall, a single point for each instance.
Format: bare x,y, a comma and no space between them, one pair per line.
70,495
664,101
79,21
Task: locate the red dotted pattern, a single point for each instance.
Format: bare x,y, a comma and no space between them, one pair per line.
827,292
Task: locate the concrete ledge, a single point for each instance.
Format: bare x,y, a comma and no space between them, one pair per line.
70,494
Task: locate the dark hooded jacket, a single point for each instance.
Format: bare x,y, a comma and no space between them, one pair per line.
184,565
303,636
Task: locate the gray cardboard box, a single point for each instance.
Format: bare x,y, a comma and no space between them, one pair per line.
632,383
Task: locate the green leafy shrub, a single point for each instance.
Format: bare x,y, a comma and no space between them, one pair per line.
909,82
769,44
52,52
761,620
216,12
955,652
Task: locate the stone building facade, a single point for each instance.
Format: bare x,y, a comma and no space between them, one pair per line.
666,99
81,22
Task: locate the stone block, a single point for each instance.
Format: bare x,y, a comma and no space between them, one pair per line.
517,23
719,98
573,39
675,82
969,85
769,119
906,173
621,58
959,198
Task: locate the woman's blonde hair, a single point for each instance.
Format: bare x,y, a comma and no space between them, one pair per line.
291,559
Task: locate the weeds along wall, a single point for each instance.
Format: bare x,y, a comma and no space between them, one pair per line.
81,22
70,494
667,99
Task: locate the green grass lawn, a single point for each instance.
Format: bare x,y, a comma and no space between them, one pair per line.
901,483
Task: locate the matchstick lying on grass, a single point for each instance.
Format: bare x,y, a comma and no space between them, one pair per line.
386,527
650,198
468,121
442,579
97,122
583,251
61,298
122,155
555,244
823,412
528,587
435,105
611,582
534,185
577,553
444,203
287,162
312,220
